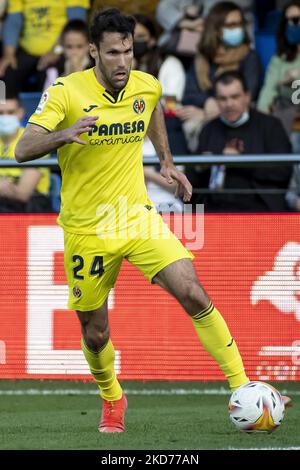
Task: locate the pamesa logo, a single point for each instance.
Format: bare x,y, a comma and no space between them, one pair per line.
118,128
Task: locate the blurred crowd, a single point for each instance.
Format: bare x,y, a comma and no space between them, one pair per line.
229,73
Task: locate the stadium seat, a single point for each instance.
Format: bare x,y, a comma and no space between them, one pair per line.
265,45
272,21
55,185
29,102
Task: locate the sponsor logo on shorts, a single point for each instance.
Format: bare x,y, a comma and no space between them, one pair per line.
77,292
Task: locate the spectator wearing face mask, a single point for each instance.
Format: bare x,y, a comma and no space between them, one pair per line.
147,57
225,45
21,190
241,130
284,69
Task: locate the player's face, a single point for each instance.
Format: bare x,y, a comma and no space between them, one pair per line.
114,59
233,101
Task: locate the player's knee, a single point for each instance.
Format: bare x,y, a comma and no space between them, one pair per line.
96,338
193,297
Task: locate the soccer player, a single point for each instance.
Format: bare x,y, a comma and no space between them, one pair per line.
97,119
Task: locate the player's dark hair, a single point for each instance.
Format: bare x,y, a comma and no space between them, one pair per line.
226,78
110,21
79,26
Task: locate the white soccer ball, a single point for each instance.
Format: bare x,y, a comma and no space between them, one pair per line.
256,407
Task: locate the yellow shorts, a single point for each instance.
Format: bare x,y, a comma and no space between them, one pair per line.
92,263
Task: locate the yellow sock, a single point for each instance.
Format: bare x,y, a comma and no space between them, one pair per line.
102,368
215,336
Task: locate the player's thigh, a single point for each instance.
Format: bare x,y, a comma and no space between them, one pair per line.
176,276
91,271
156,248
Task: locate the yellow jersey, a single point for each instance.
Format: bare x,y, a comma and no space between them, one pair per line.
14,174
102,176
43,21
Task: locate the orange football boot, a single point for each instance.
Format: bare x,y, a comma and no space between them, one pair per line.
113,415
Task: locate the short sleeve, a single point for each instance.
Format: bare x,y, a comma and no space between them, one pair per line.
15,6
52,108
158,87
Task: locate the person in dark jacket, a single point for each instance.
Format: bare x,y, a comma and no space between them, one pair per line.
241,130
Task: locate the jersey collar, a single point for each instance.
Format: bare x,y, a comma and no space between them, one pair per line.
107,94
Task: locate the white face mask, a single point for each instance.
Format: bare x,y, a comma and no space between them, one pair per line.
9,124
243,119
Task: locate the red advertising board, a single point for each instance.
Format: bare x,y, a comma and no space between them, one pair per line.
249,265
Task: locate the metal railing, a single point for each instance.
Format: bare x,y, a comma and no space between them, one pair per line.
187,160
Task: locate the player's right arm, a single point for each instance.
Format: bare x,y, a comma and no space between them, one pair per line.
49,126
37,141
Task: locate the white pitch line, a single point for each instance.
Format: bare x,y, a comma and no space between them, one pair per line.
153,392
149,392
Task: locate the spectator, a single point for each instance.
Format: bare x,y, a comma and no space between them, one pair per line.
174,14
76,57
20,190
284,68
31,39
241,130
183,24
75,43
147,57
225,45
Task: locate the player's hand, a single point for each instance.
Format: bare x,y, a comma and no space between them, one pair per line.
84,124
184,188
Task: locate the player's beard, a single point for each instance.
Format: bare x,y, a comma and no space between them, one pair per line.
108,79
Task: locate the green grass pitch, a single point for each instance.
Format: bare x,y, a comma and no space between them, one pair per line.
161,415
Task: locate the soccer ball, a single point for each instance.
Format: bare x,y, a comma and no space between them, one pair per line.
256,407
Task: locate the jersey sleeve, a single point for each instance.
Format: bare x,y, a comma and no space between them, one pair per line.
15,6
158,88
52,108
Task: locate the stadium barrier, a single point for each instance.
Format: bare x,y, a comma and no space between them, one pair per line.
249,264
227,160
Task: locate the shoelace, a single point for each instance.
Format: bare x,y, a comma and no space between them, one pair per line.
109,408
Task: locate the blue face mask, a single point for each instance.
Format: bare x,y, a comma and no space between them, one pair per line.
233,36
9,124
243,119
292,34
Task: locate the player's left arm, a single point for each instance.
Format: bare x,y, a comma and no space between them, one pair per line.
158,135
